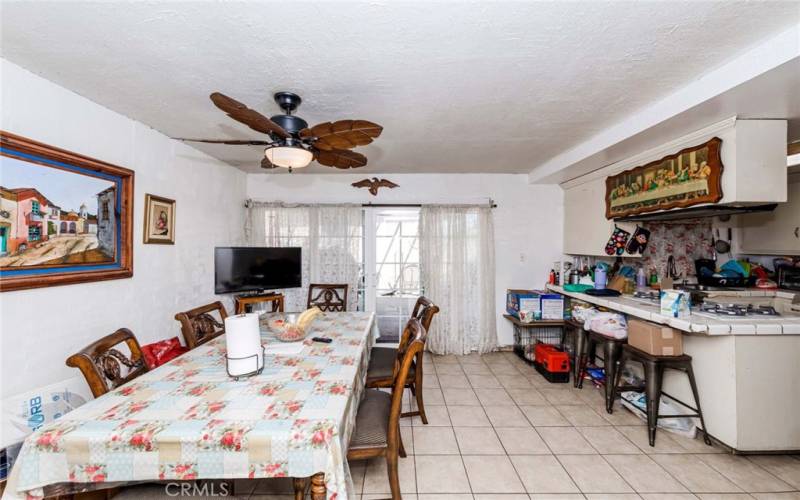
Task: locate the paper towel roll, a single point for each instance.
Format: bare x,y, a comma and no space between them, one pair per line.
243,339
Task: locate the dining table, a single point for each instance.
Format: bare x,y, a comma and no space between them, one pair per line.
190,420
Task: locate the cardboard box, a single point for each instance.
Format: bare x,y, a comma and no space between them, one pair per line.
521,299
552,306
659,340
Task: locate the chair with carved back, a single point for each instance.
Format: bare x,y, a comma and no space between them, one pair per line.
198,325
377,430
101,363
382,360
329,298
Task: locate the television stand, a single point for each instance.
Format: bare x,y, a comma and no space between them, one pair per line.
245,302
259,293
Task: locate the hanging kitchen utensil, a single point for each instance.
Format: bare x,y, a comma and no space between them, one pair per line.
730,239
713,247
722,246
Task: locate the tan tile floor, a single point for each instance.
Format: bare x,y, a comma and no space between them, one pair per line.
499,431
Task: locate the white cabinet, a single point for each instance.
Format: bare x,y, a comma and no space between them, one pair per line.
586,229
754,158
776,232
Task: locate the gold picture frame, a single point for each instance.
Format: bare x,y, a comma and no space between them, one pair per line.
691,176
159,220
65,218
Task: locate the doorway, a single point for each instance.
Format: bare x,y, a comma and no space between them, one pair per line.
391,281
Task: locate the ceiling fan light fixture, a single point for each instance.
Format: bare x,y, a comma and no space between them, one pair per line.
290,157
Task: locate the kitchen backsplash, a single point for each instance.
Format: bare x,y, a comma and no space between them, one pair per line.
685,241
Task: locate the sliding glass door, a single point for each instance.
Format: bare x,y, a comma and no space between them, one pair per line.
391,281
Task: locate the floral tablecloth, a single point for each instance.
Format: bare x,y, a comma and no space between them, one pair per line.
189,420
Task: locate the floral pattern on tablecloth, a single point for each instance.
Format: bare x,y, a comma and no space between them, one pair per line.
189,420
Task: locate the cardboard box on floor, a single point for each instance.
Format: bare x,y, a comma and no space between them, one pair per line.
658,340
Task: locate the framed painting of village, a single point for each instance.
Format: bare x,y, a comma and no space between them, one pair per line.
64,218
689,177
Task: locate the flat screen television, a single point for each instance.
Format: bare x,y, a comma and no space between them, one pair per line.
253,269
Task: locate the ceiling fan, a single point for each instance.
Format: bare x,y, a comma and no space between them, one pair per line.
291,143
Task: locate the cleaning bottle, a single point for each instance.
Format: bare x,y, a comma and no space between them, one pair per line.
641,278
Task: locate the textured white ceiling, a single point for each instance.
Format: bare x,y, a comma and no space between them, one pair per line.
459,87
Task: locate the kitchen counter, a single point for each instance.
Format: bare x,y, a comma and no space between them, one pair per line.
696,323
746,370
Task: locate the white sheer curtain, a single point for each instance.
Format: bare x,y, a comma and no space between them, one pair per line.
330,237
457,270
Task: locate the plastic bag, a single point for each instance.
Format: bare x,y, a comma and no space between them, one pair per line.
582,312
27,412
637,403
158,353
609,324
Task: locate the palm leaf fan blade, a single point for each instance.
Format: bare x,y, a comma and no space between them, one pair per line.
342,159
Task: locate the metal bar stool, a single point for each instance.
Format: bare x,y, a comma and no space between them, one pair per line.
654,375
578,343
612,348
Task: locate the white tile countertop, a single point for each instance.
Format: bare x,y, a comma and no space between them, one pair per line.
695,323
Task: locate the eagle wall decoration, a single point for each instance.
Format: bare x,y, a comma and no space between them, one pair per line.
373,184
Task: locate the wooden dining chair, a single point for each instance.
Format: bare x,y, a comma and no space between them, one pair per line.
382,360
101,363
198,325
377,430
330,298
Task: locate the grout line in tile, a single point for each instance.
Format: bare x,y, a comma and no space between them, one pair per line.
620,475
657,464
646,453
701,455
461,456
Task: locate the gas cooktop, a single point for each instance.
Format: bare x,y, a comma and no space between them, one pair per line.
739,310
647,296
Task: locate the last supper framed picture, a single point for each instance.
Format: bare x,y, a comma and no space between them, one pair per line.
689,177
64,218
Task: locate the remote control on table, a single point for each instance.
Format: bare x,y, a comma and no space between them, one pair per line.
322,339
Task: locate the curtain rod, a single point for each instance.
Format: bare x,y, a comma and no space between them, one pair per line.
492,204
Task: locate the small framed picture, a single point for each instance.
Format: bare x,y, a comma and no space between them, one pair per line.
159,220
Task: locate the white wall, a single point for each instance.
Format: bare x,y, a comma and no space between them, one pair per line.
528,220
40,328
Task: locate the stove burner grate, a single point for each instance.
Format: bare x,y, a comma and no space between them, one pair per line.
652,296
738,309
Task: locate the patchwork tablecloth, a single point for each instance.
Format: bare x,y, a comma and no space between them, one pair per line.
189,420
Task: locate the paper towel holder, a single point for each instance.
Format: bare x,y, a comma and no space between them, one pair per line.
257,371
